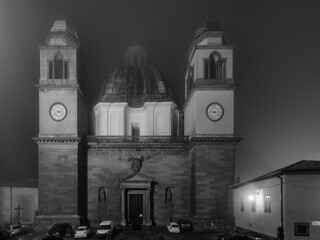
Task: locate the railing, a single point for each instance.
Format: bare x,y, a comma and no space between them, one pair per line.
136,139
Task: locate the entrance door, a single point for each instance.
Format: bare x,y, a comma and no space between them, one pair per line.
136,208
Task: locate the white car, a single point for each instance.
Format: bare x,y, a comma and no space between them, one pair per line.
173,227
14,229
82,232
105,229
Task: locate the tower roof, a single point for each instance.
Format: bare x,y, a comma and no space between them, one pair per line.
208,25
209,29
62,34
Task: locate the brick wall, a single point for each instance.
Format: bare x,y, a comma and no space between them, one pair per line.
211,174
58,179
166,168
199,179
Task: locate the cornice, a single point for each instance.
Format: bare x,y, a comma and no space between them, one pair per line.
207,34
220,139
54,87
206,47
215,139
139,147
209,84
57,47
56,140
70,38
48,84
226,83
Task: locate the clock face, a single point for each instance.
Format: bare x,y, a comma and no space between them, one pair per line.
58,111
215,111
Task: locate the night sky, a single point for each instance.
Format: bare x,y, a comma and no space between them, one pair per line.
276,55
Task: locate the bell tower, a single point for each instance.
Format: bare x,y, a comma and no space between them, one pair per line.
209,123
209,83
62,122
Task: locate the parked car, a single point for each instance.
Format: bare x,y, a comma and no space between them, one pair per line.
105,229
82,232
184,224
52,238
232,235
14,229
61,230
4,235
254,235
239,235
173,227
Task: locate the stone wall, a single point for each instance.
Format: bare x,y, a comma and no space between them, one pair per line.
168,169
199,180
211,174
58,179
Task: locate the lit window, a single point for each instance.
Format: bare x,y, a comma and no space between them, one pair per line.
242,204
253,204
190,79
301,229
267,204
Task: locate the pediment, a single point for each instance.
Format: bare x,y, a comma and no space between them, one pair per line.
136,177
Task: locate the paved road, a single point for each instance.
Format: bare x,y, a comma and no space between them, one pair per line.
129,234
155,234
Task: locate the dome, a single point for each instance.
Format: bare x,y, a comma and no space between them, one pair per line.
135,85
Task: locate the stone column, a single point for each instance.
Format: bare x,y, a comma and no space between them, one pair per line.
148,211
123,219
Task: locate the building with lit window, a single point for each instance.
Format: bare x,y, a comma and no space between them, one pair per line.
287,197
148,159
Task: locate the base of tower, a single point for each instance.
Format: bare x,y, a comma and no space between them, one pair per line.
42,222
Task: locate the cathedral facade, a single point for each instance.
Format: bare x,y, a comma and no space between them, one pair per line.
147,160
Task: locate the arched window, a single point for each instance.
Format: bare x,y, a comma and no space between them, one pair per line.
169,196
214,66
190,79
103,195
58,68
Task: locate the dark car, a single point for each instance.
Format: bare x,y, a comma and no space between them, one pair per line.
233,235
14,229
52,238
4,235
184,224
61,230
254,236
